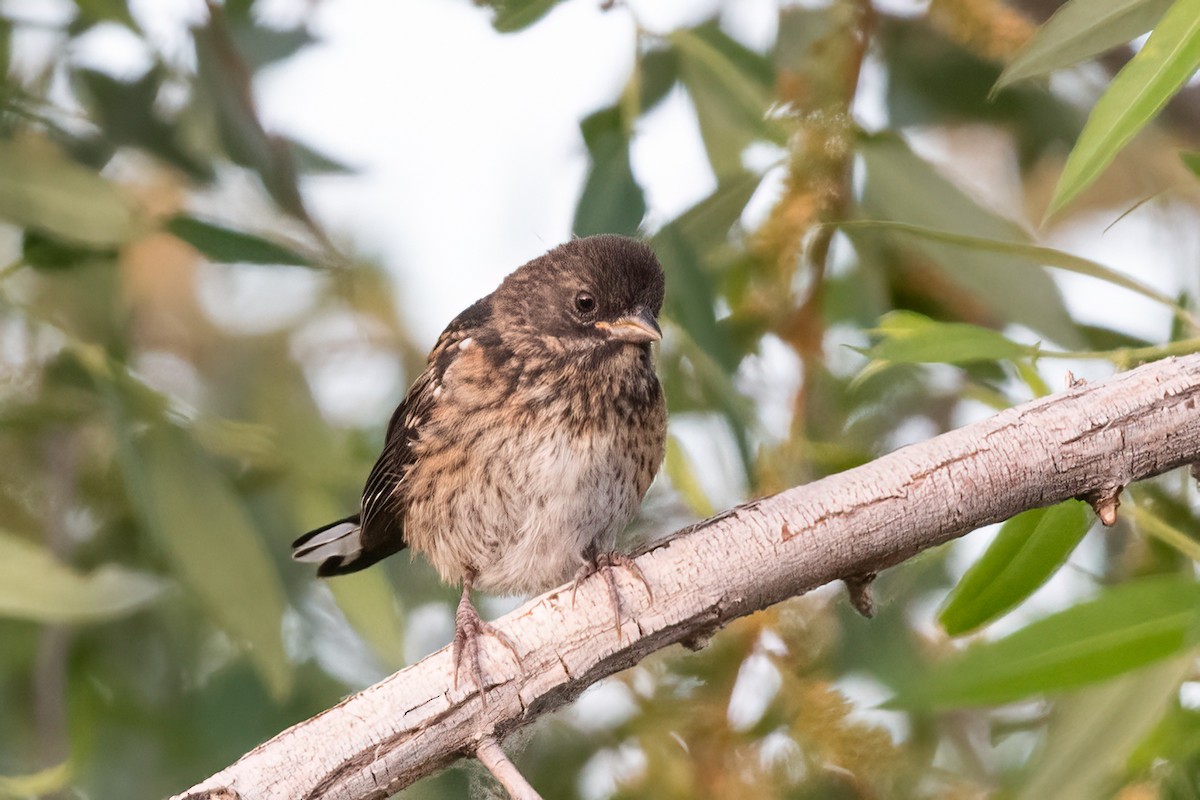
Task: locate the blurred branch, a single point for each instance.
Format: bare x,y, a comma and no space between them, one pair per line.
990,28
818,91
1089,442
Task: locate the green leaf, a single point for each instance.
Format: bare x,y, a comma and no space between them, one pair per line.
179,495
612,201
1079,30
1028,296
129,114
1124,628
911,338
42,190
1191,160
1170,56
683,477
693,296
1029,548
222,100
516,15
48,253
707,224
703,384
1151,524
34,585
7,98
51,780
369,603
310,161
657,72
262,45
731,88
933,80
225,245
1026,255
1093,732
107,10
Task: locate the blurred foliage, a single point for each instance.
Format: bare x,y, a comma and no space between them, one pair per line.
836,295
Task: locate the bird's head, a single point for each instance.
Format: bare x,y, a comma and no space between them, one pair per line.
595,290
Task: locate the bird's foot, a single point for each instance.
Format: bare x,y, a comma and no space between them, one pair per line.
604,564
469,628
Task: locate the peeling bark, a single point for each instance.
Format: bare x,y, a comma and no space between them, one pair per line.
1083,443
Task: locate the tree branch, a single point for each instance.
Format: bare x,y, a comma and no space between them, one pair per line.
1087,442
492,756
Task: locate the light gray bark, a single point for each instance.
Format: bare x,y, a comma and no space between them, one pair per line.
1089,441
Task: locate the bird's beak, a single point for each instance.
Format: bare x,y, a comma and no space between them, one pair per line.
637,328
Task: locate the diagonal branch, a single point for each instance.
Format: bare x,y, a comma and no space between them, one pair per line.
1089,442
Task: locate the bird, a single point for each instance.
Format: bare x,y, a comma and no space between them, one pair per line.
527,442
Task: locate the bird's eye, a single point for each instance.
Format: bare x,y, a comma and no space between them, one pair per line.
585,303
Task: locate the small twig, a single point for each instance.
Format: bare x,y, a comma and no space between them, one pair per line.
861,596
1105,503
492,756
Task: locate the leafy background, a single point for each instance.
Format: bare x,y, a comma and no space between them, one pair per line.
902,217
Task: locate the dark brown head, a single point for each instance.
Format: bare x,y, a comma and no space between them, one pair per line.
592,291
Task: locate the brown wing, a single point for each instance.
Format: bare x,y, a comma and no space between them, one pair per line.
381,512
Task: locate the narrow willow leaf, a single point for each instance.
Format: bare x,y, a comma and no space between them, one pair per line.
657,73
369,603
1028,296
612,201
1029,254
731,88
1029,548
225,245
311,161
34,585
1150,524
1124,628
107,10
180,496
51,780
1170,56
715,387
43,190
911,338
1079,30
683,478
1093,732
517,15
694,296
706,225
222,83
1191,160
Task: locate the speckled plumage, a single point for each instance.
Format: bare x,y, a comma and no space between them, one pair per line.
531,437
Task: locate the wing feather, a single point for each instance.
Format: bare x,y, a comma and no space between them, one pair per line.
382,507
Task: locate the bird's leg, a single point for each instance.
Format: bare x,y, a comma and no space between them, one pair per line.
604,562
468,628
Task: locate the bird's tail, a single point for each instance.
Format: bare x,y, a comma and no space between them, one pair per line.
334,545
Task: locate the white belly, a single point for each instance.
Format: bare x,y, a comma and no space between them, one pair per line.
573,494
537,504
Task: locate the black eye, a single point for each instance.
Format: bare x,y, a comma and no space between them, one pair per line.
585,303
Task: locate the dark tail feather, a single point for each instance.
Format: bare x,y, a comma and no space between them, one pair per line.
339,547
334,546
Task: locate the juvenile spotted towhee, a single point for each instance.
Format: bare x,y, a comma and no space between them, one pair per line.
529,440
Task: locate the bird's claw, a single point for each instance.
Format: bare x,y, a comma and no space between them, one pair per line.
469,627
604,564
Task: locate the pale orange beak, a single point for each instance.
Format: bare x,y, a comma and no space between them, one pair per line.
637,328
